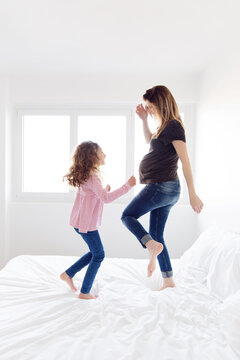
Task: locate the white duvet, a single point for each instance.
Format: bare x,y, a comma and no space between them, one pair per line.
41,318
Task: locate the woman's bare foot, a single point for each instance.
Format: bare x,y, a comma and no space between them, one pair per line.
87,296
167,282
64,276
155,248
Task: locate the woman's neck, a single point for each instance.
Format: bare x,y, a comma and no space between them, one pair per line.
158,120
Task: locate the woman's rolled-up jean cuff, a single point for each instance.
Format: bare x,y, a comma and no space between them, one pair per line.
145,239
167,274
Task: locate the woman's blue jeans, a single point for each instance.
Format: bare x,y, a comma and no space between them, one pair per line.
94,258
158,199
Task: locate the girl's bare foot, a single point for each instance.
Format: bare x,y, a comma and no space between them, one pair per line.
87,296
167,282
64,276
155,248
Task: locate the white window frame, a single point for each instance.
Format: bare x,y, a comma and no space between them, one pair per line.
126,109
73,113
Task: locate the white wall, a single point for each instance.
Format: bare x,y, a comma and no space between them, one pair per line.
218,135
5,181
42,228
96,88
2,167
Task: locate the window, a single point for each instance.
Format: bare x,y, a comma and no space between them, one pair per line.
110,133
46,145
141,147
46,140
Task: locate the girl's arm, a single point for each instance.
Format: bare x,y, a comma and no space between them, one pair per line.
142,113
181,149
106,196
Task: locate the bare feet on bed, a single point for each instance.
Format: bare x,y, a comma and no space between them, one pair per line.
87,296
155,248
64,276
167,282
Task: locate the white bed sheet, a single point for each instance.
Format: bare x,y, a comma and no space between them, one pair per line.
41,318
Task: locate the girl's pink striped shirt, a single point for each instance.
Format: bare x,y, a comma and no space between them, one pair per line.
87,210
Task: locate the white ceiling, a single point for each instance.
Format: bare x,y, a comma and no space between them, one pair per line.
107,36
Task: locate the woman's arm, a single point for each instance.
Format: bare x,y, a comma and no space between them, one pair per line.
181,149
142,113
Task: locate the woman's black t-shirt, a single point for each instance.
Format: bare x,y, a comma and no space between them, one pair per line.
160,164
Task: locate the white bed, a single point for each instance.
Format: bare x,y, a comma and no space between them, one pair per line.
41,318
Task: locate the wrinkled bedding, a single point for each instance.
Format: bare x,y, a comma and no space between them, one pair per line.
41,318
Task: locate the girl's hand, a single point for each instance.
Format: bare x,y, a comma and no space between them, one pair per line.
132,181
108,188
141,112
196,203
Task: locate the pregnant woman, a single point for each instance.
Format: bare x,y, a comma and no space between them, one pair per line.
158,170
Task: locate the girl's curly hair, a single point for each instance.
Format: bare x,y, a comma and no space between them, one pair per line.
85,160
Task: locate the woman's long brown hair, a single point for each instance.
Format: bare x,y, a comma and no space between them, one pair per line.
85,161
166,106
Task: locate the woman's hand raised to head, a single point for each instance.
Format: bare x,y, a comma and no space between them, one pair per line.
132,181
141,112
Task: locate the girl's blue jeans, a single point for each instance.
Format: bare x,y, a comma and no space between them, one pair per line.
158,199
93,259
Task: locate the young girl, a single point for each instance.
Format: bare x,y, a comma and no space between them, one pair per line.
158,170
87,210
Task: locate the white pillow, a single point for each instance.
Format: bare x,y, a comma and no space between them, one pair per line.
223,278
200,254
217,253
229,314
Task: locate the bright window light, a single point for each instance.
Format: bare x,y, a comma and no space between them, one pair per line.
110,133
48,139
45,152
141,147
